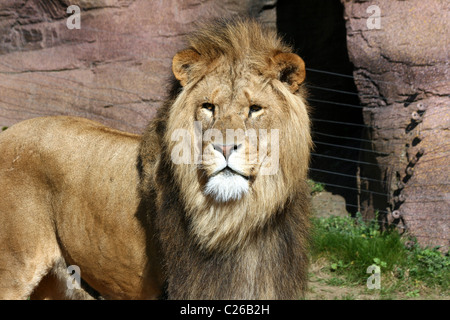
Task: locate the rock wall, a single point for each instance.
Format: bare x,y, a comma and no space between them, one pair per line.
112,69
402,75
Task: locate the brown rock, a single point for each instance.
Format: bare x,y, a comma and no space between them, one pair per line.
112,70
325,204
398,67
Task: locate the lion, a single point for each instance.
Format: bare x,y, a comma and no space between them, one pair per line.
225,216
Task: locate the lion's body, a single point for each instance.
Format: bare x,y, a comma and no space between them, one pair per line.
132,218
57,206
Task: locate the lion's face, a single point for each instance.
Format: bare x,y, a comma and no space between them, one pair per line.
238,116
240,102
238,112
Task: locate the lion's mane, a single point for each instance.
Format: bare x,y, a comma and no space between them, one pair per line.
252,248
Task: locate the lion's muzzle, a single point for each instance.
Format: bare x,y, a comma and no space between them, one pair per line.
228,181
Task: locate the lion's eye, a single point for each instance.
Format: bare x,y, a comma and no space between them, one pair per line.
254,108
208,106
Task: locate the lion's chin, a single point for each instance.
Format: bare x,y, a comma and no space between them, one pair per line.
227,186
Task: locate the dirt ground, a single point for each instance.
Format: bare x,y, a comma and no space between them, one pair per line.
319,287
324,285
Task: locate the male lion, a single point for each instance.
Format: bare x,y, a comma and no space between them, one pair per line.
141,223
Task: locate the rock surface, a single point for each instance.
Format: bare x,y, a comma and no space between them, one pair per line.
402,75
325,204
112,69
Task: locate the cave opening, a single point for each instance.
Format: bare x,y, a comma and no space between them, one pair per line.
317,31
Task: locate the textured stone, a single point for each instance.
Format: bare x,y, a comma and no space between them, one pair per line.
397,68
325,204
113,70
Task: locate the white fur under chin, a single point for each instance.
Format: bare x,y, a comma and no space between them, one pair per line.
226,187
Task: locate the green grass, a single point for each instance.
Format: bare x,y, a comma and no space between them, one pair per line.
351,245
315,187
337,282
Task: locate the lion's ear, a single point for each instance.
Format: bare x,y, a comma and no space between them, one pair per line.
290,69
182,64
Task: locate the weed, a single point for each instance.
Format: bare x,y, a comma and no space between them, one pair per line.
413,294
337,282
351,245
315,187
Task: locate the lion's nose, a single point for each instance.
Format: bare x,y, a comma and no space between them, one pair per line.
226,149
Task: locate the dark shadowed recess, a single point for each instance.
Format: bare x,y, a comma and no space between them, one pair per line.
316,28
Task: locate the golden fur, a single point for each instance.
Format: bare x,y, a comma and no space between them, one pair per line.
117,206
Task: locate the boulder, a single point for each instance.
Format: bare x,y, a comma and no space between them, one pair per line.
325,204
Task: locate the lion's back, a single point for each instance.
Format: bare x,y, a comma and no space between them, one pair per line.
41,139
